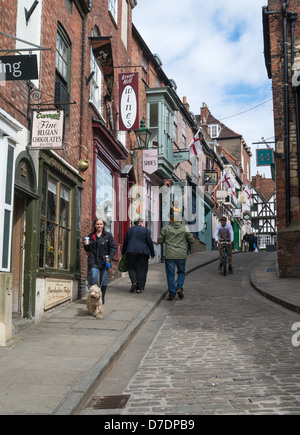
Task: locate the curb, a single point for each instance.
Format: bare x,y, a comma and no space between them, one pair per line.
84,388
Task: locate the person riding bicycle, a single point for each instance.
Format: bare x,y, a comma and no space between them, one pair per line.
224,237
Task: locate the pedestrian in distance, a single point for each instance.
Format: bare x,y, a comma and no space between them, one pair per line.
101,248
251,242
176,236
224,236
138,247
246,242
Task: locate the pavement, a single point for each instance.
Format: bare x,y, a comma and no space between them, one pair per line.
52,366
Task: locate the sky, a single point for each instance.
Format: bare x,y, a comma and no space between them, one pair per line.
213,50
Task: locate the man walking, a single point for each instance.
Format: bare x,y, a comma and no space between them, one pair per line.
175,236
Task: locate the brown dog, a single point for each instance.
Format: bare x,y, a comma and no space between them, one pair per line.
94,302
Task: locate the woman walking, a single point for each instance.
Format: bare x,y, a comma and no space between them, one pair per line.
137,247
101,248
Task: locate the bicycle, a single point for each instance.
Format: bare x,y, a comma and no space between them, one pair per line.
224,258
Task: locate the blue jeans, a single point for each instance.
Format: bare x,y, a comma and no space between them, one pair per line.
170,272
95,274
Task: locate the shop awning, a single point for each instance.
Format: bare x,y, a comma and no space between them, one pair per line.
101,46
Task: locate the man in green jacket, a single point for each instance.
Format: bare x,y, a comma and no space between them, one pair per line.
175,236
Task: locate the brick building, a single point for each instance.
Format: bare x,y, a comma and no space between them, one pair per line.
281,28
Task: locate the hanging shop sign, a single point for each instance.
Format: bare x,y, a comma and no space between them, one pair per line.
23,67
210,178
264,157
180,156
128,101
47,129
150,160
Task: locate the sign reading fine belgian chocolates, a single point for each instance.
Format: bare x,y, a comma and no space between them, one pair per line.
128,101
47,129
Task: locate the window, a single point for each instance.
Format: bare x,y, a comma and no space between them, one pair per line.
95,86
214,130
153,123
175,127
63,69
55,227
105,195
183,133
124,28
6,178
113,9
145,69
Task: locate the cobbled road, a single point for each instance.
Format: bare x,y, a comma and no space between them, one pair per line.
223,349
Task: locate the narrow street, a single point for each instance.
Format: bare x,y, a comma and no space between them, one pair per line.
223,349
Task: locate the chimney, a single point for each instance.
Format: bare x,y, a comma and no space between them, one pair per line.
204,113
186,104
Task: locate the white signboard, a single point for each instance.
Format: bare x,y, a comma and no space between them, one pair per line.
47,131
150,161
222,194
57,291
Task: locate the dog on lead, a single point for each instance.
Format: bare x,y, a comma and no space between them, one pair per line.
94,302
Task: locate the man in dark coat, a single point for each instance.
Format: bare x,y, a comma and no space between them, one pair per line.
138,247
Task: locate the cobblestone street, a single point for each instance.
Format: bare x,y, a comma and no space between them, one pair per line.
223,349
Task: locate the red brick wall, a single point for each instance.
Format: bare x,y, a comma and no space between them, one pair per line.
288,259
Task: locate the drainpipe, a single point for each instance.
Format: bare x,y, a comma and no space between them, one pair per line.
295,87
286,118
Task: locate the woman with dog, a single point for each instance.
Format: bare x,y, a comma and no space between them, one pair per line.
137,247
101,248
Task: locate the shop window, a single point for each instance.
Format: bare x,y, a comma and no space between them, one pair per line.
55,227
105,196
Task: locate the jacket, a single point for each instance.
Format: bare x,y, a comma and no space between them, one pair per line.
175,236
138,241
224,234
97,251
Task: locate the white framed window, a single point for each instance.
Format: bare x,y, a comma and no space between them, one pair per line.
183,133
113,9
95,85
214,130
6,203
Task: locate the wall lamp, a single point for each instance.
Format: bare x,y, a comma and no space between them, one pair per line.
83,164
142,136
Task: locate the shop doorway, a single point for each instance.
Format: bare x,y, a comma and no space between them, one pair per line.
18,246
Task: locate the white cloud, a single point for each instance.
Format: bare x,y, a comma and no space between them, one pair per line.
214,52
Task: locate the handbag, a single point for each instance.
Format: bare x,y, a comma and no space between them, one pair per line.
123,264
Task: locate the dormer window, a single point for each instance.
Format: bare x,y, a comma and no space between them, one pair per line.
214,130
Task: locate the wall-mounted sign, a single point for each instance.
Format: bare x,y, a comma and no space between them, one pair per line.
221,194
247,216
18,67
150,160
128,101
210,178
47,129
264,157
180,156
57,291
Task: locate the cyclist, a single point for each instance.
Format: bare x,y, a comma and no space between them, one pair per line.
224,237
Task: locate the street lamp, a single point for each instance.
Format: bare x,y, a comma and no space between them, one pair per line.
142,136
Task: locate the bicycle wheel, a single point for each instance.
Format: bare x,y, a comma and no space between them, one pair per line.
224,261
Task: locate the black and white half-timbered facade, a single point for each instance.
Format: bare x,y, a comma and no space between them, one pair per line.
263,218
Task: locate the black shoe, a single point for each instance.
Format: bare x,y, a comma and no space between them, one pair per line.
180,293
220,268
133,288
230,269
